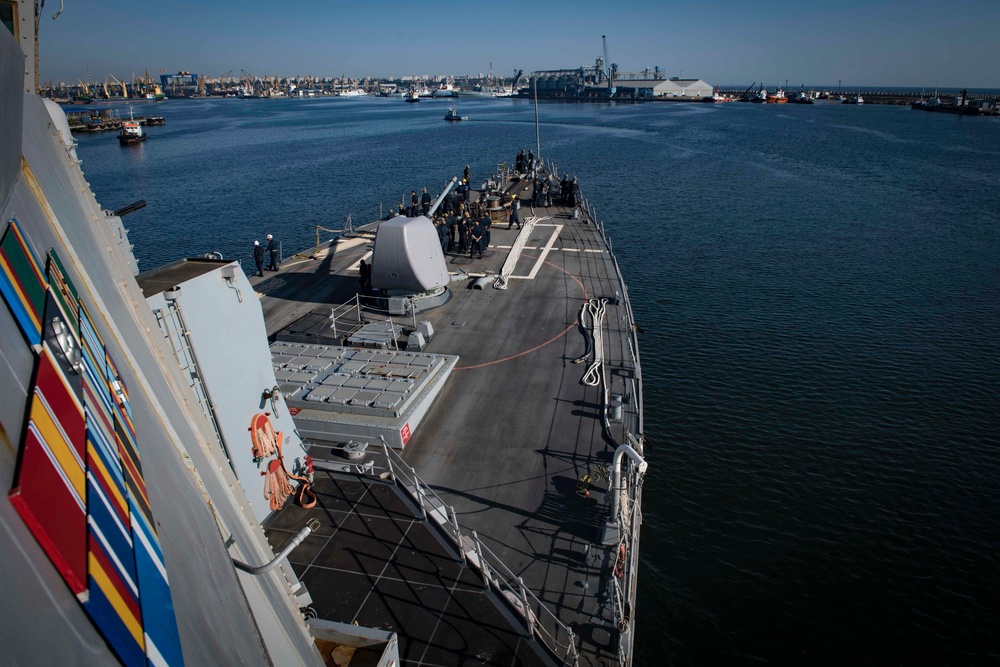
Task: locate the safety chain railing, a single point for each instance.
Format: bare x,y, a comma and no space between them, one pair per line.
540,622
625,558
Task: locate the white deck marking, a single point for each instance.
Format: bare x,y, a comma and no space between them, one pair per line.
507,247
357,265
545,251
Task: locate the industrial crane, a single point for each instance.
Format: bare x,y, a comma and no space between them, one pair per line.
120,83
246,83
607,63
517,77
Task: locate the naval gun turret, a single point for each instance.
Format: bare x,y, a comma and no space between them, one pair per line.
408,266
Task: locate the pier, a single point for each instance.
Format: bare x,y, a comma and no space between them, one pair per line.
105,120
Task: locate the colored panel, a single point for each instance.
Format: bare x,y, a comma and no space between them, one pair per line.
159,621
112,491
108,506
95,369
21,282
50,492
57,414
64,291
54,515
111,615
163,645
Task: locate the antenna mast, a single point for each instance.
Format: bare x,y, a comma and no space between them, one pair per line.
538,143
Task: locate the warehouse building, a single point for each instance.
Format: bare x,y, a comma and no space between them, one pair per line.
674,88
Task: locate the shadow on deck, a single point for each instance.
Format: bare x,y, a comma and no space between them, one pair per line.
374,561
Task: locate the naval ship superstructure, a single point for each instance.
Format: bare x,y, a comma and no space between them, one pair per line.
436,461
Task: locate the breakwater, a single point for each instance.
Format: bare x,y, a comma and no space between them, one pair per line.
896,97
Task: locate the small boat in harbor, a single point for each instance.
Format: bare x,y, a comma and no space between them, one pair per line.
453,115
857,99
412,96
718,97
131,132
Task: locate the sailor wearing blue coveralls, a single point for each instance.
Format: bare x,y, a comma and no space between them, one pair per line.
425,202
515,218
477,241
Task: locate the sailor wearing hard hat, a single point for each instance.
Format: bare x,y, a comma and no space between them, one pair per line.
272,249
258,258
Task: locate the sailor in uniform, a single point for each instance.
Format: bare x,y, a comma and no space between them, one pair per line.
272,249
258,257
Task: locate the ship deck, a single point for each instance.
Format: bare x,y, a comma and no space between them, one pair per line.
514,428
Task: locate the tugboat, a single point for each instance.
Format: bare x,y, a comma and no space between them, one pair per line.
453,115
131,132
718,97
777,97
412,96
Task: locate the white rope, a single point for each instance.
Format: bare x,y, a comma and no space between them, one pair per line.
515,251
596,309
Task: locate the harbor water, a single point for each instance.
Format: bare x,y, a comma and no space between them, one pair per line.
819,293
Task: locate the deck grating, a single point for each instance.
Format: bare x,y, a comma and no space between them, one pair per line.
374,561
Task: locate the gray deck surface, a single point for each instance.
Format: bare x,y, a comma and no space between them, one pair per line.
374,561
514,428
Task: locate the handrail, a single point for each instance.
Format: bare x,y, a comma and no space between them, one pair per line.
625,519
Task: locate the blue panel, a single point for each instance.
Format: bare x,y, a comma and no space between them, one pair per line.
102,517
157,606
107,620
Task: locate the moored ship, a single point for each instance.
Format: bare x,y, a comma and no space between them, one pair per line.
777,97
207,468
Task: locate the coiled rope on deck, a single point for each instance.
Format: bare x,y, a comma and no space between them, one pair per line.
595,309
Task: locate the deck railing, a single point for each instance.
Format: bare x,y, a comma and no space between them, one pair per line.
540,622
629,519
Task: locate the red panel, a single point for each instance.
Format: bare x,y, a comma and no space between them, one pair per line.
44,501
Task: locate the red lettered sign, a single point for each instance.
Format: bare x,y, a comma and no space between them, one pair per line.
404,433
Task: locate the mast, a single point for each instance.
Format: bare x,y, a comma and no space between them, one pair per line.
538,143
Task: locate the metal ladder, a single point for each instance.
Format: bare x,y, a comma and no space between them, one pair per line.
171,322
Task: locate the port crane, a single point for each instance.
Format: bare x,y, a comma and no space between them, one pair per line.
517,77
246,83
747,93
607,63
119,83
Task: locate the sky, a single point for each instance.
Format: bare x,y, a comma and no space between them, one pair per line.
725,42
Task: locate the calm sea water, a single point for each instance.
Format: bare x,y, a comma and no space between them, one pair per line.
819,288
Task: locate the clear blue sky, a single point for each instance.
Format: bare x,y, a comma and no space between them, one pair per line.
888,42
